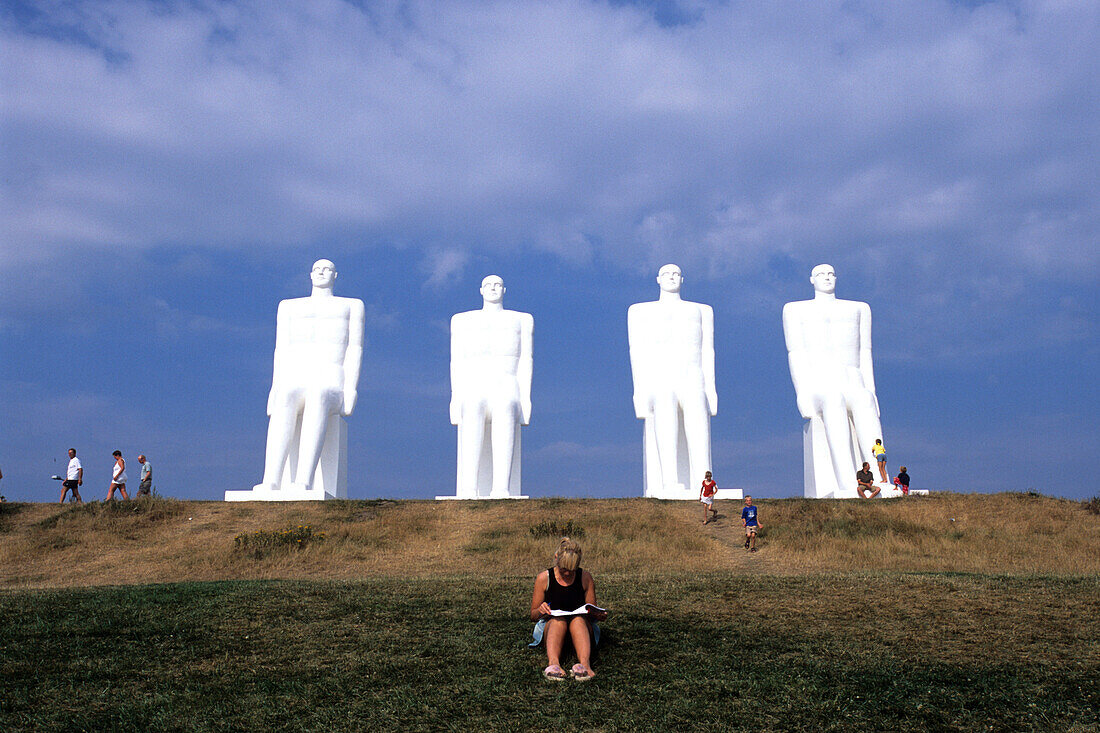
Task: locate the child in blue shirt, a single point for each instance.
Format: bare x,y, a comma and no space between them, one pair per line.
751,524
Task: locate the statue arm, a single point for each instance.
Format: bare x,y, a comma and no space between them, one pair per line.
280,351
635,338
525,367
457,369
796,358
708,358
353,357
866,367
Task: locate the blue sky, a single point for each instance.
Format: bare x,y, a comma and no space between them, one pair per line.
170,171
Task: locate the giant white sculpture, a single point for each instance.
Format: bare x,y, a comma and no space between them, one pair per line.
672,360
829,351
490,394
318,352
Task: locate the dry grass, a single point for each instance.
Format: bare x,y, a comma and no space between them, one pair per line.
161,540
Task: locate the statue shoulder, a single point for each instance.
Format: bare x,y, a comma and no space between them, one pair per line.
355,306
856,305
795,306
460,319
292,305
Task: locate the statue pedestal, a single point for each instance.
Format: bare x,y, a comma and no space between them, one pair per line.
330,481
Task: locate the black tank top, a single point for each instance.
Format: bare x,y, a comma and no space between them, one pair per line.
565,597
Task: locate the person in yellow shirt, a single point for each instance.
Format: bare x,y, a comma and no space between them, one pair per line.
880,455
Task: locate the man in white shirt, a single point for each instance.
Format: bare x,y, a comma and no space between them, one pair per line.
146,485
74,477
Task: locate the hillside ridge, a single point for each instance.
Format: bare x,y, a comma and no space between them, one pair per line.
166,540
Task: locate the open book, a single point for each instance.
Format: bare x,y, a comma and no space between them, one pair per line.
580,611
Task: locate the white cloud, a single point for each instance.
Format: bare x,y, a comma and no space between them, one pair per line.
582,128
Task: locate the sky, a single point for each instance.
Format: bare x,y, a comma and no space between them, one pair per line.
169,171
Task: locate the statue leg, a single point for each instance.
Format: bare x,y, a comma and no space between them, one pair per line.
666,427
504,420
834,415
280,429
471,435
319,406
867,423
697,432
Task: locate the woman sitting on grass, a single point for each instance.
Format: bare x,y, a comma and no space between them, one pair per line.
566,587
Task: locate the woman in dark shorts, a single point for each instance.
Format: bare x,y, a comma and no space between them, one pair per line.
566,587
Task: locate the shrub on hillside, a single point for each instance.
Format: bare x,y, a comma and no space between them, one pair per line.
145,508
556,529
265,542
1092,506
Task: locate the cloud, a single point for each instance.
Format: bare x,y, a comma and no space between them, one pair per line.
950,142
444,266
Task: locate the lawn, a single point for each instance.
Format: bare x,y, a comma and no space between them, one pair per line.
706,651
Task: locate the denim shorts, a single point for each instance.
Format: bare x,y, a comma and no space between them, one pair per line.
881,458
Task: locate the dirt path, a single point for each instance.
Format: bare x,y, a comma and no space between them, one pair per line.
727,530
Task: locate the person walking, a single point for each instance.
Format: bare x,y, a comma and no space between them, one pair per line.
118,477
706,496
145,485
751,522
74,478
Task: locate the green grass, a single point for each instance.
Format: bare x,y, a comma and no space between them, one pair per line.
709,652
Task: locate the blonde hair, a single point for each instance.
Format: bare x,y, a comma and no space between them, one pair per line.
568,556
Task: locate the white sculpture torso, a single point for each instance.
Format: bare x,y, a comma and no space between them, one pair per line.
491,367
318,353
672,361
829,351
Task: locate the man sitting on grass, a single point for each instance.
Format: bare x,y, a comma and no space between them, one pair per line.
865,481
566,587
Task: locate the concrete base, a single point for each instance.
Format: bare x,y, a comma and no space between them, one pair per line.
730,494
330,480
477,498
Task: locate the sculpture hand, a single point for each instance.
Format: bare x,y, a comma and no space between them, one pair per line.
712,402
456,412
270,401
641,407
350,398
525,412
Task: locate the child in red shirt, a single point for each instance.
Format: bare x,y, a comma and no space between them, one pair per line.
706,496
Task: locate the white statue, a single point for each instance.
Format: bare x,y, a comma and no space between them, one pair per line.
672,359
829,350
318,352
490,394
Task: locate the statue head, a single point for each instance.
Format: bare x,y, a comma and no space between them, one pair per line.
823,278
323,274
670,278
492,288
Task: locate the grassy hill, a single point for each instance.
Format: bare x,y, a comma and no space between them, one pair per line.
161,540
877,615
